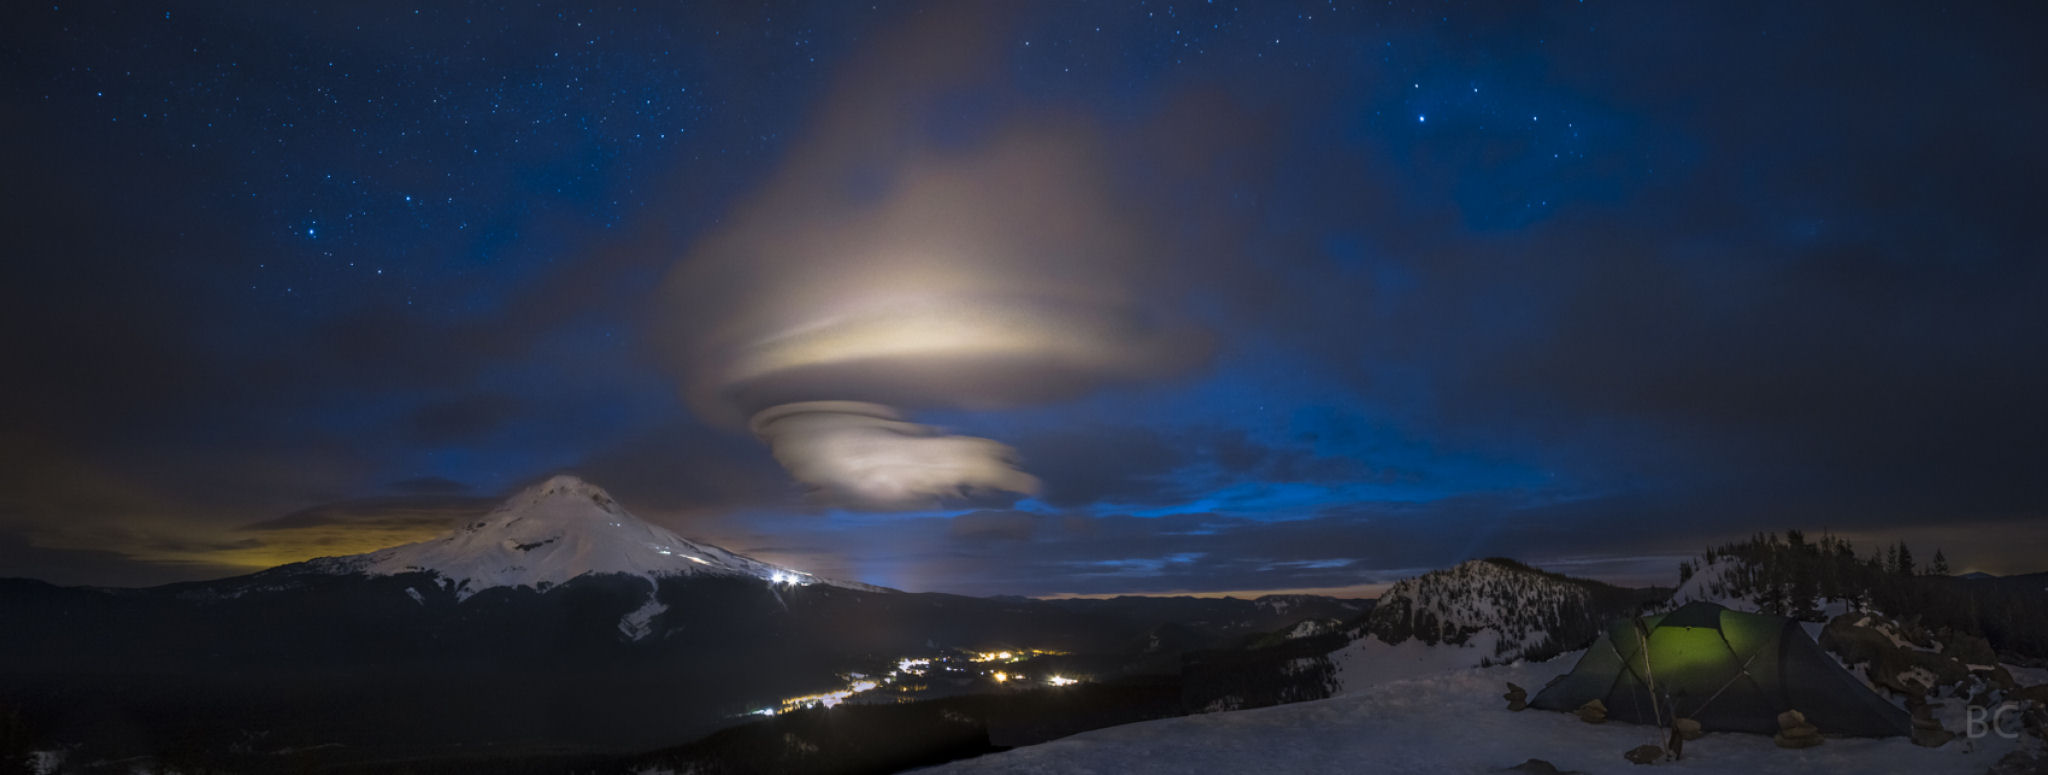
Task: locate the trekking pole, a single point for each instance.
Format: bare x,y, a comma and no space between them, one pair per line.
1649,673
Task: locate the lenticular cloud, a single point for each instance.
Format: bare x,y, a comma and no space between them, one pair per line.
867,454
981,281
875,275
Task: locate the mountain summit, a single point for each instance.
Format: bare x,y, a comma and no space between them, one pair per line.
555,531
1510,609
1480,612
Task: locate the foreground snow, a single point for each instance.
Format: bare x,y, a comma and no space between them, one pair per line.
1368,662
1447,722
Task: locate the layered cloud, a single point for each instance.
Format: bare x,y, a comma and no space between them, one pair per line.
875,275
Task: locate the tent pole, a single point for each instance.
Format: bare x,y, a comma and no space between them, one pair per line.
1649,672
1643,639
1739,672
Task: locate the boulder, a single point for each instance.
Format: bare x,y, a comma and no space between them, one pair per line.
1801,731
1927,730
1923,717
1794,732
2038,693
1517,697
1539,767
1973,651
1593,712
1786,740
1931,738
1856,638
1644,754
2021,762
1687,728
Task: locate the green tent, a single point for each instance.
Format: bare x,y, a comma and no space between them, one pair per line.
1728,670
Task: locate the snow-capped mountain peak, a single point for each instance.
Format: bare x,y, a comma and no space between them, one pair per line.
555,531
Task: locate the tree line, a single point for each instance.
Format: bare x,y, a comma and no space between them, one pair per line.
1792,575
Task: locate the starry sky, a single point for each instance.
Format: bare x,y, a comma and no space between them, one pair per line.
1232,297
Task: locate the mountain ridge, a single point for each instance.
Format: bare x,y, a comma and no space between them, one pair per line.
1533,614
554,531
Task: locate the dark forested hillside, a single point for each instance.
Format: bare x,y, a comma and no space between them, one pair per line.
1790,574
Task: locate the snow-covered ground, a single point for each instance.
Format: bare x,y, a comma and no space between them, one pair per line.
1368,662
1516,605
1448,722
1717,582
2027,676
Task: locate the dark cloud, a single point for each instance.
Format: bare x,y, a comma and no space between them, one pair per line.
428,485
468,419
1098,463
993,526
1236,454
437,512
1138,466
688,469
20,557
1627,541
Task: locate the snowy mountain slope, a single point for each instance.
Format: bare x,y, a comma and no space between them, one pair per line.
1478,613
1448,722
1727,581
553,532
1524,613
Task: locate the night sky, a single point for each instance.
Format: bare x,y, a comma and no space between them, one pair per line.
1130,297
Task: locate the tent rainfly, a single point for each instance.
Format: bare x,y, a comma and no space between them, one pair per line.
1728,670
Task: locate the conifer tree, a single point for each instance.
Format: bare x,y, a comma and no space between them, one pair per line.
1803,592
